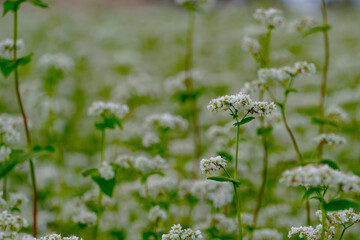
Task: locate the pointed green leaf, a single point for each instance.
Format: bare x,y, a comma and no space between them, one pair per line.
244,121
12,6
330,163
310,192
317,29
106,186
38,3
340,204
290,90
225,179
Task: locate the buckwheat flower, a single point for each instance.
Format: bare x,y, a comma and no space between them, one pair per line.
10,222
58,237
124,161
17,199
212,164
145,164
4,153
224,224
7,45
224,103
150,139
106,171
321,175
336,114
159,187
156,213
85,217
304,24
340,217
97,108
271,17
330,139
266,74
261,109
304,67
178,233
9,128
311,233
59,61
166,121
267,234
251,45
178,82
254,86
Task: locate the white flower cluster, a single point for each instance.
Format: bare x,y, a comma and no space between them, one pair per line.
337,114
223,224
142,163
4,153
85,217
106,171
177,233
59,61
241,101
58,237
267,234
254,86
251,45
304,24
212,164
97,108
321,175
7,45
156,213
166,121
160,186
271,17
340,217
311,233
219,193
10,222
177,83
287,72
9,126
150,139
330,139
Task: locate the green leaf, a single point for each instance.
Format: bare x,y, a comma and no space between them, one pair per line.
48,148
12,6
244,121
106,186
330,163
319,121
310,192
108,121
147,175
340,204
290,90
225,179
225,155
7,66
317,29
280,105
17,157
38,3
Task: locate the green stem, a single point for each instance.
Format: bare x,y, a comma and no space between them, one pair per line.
323,211
4,196
27,132
343,231
99,201
325,75
237,151
238,210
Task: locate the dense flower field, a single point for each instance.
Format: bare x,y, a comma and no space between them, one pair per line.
187,122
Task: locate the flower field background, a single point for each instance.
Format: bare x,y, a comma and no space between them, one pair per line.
145,117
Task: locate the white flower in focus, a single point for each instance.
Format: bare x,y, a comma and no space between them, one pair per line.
7,45
177,233
330,139
311,233
212,164
166,121
271,17
262,109
11,222
4,153
106,171
224,103
340,217
156,213
97,108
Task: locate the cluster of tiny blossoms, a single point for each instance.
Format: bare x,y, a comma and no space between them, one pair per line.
267,234
340,217
10,222
321,175
178,82
212,164
304,24
7,45
166,121
330,139
106,171
241,101
59,61
287,72
142,163
9,126
97,108
251,45
311,233
4,153
177,233
271,17
156,213
58,237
